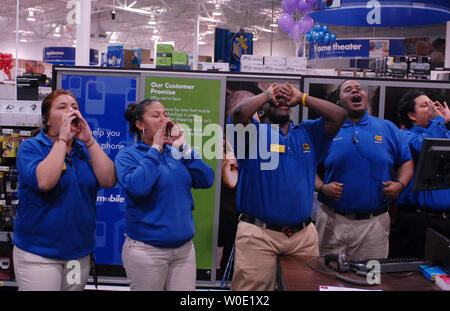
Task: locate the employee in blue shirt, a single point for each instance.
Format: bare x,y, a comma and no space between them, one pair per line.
59,172
418,210
276,180
358,183
157,174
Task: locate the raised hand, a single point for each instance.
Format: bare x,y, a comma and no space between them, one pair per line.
292,95
443,109
176,136
161,136
81,128
68,130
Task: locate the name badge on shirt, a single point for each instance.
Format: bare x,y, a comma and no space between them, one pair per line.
277,148
378,139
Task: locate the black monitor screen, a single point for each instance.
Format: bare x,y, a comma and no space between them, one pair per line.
433,170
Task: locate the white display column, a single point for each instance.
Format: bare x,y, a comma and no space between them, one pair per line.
196,32
83,33
447,46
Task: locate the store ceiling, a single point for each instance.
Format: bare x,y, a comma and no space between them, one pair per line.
174,21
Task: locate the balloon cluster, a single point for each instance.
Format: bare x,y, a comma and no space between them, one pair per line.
6,63
287,21
320,35
295,27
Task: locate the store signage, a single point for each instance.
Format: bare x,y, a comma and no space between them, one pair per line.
59,55
102,102
73,16
241,44
195,105
66,56
385,13
361,48
342,49
374,15
114,57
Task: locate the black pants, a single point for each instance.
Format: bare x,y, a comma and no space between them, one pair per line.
409,235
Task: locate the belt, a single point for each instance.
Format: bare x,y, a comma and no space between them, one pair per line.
287,230
361,216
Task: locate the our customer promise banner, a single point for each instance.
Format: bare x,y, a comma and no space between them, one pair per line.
195,105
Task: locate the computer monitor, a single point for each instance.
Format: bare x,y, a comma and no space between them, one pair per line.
433,170
437,248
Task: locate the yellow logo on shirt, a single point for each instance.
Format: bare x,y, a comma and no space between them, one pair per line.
64,166
277,148
306,148
378,138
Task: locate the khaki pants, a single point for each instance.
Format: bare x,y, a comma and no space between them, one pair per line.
37,273
366,238
151,268
257,250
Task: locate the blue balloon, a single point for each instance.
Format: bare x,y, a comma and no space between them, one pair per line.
322,5
332,37
316,37
317,27
326,39
321,34
325,28
308,37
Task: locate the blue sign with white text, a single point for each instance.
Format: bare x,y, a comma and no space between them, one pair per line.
385,13
59,55
342,49
65,56
103,101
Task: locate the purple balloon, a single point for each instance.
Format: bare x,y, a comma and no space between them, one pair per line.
308,23
312,2
291,4
296,31
304,6
286,22
288,7
293,34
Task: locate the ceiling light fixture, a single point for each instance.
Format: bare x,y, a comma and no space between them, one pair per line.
57,32
216,13
31,17
152,20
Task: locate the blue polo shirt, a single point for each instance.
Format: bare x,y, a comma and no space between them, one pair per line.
433,200
158,193
59,223
276,178
362,156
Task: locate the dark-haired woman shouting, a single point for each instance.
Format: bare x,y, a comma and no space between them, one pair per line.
157,174
60,171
